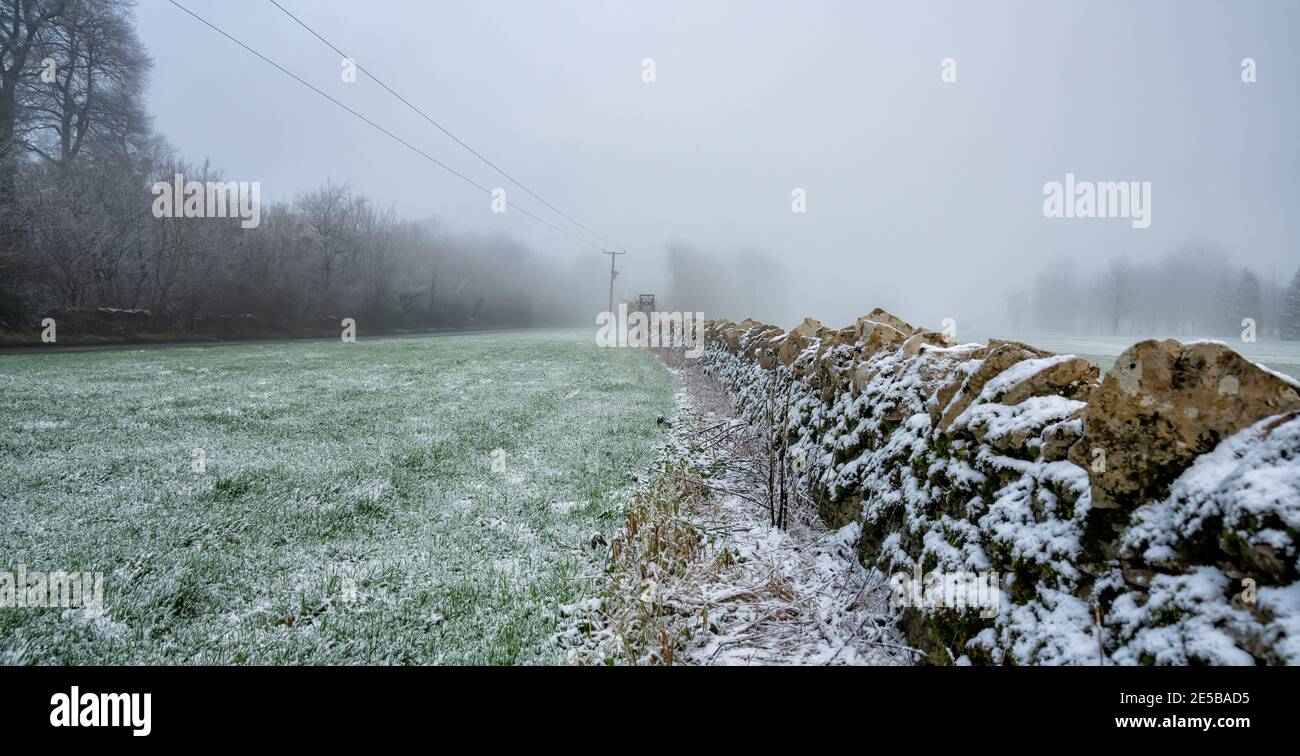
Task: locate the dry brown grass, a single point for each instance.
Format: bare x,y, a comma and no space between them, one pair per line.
700,574
657,546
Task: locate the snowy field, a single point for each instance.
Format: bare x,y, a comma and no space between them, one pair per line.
1282,356
348,510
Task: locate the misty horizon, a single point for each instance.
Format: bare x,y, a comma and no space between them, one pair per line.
844,102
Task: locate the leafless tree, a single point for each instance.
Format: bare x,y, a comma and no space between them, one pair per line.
97,70
80,159
22,22
1116,281
331,214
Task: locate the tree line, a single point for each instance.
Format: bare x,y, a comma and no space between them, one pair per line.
79,238
1193,291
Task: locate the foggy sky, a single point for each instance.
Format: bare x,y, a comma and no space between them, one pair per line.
923,197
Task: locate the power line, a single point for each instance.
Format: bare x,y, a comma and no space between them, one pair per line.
388,133
440,127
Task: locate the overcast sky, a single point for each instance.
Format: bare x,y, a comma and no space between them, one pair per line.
923,196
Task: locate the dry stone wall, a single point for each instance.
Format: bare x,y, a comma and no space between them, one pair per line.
1150,517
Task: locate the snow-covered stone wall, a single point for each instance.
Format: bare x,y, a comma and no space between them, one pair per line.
1152,517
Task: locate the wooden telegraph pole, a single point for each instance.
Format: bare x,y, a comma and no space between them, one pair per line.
612,274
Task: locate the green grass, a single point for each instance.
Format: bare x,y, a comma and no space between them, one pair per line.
327,465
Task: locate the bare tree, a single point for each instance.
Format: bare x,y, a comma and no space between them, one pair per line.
95,92
331,215
1116,283
377,259
21,24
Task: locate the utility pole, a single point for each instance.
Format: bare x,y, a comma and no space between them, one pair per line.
612,274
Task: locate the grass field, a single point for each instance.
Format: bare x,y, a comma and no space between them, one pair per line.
348,511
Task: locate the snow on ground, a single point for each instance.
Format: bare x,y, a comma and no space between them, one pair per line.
822,606
816,604
348,510
755,593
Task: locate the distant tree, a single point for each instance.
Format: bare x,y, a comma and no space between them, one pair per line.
1192,290
377,261
1289,326
760,281
332,214
695,281
1056,297
1246,302
1118,275
1270,298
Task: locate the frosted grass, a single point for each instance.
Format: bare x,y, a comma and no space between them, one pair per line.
348,512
